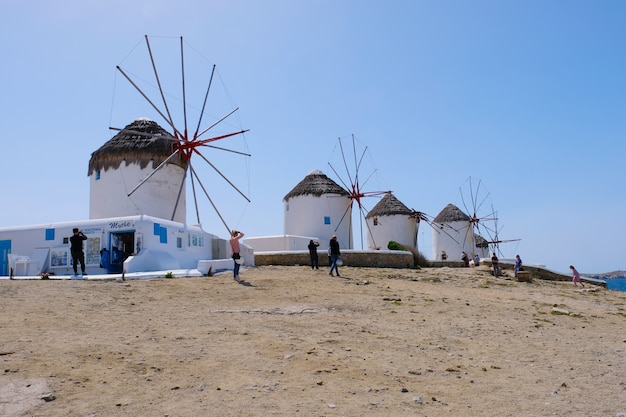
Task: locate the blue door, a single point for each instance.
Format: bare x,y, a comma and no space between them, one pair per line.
5,249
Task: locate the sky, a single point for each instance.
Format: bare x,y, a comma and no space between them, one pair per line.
526,98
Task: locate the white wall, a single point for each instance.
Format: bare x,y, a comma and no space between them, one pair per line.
281,243
399,228
108,196
453,238
27,240
304,216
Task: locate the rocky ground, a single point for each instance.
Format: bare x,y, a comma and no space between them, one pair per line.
293,341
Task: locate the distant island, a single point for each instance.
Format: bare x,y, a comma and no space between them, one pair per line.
614,274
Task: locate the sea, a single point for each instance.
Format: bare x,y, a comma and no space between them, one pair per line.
616,284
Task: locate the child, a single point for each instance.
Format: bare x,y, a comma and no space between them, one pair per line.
576,276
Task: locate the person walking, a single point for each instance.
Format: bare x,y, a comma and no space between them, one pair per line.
518,265
335,253
576,276
496,265
76,248
313,254
236,249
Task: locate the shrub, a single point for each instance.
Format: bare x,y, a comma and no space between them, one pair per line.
419,260
395,246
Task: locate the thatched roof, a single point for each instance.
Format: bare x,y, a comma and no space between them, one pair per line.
451,213
315,183
134,148
389,205
481,242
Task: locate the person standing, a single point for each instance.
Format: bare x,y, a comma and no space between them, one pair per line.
576,276
496,265
313,254
236,249
465,259
335,254
76,248
476,260
518,264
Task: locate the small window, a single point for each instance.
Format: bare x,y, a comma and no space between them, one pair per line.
97,174
49,234
157,229
326,220
179,242
375,221
163,234
196,240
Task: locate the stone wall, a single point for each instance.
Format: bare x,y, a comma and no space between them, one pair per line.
395,259
376,259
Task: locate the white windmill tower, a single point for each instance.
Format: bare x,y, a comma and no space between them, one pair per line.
453,238
474,234
315,207
124,161
390,220
144,168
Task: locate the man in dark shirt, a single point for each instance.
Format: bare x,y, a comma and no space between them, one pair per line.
335,255
76,248
313,254
496,265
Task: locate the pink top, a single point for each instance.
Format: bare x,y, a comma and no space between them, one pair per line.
234,242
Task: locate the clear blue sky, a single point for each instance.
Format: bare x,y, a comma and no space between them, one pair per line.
529,97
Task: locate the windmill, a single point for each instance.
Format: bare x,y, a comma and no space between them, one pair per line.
352,180
420,217
214,118
482,227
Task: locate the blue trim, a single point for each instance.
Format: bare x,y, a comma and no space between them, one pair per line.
49,234
5,250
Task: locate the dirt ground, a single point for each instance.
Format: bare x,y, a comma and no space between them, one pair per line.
292,341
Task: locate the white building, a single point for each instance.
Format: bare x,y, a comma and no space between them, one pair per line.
317,206
144,232
135,244
453,233
390,220
123,162
315,209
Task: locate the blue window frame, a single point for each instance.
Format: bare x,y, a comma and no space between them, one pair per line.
49,234
326,219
